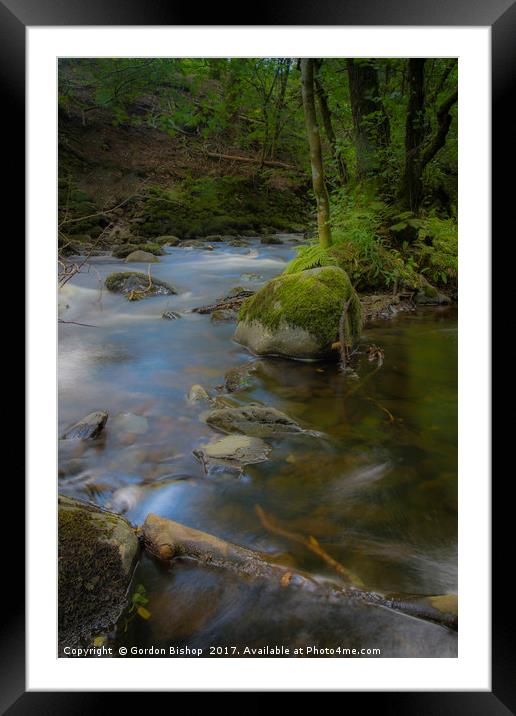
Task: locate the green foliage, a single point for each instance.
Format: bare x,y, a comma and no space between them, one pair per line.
436,250
309,257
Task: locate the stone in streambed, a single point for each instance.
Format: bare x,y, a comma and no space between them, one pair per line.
198,394
97,554
135,285
87,428
224,315
233,450
141,257
238,378
297,315
254,420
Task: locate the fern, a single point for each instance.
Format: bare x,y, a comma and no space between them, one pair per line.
309,257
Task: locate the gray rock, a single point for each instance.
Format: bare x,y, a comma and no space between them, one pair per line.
198,394
170,315
224,315
167,240
141,257
87,428
135,285
97,554
233,450
238,378
254,420
270,240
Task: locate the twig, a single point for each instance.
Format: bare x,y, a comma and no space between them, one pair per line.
391,417
75,323
312,544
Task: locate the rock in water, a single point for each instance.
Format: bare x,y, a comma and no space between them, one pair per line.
198,394
271,240
254,420
89,427
239,377
135,285
170,315
223,315
233,450
141,257
297,315
97,555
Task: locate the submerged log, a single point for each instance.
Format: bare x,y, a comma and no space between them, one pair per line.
167,540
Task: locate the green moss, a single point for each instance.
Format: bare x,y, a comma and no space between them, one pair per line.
218,205
123,251
312,300
92,580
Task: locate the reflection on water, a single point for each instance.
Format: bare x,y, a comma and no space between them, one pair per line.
378,490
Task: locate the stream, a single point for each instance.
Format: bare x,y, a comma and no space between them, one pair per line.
378,490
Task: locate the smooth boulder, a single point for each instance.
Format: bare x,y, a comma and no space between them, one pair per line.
235,450
298,315
97,553
140,256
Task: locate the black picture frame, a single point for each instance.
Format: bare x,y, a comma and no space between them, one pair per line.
500,15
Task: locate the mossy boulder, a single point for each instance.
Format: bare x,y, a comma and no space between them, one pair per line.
297,315
136,285
124,251
167,240
141,257
97,555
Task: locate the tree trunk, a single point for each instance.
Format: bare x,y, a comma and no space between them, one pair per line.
419,150
370,121
411,190
314,141
328,127
280,105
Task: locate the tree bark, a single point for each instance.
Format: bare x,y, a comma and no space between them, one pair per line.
419,150
314,141
370,121
411,190
328,127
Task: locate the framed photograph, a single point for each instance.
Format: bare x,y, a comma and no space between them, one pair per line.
259,455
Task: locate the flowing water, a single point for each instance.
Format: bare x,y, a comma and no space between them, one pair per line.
378,490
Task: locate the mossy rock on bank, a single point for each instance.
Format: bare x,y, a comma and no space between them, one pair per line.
297,315
136,285
97,554
167,240
124,251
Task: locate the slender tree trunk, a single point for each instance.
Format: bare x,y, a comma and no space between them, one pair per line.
370,120
328,127
280,106
314,141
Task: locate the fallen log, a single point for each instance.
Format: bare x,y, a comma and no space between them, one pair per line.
251,160
167,540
